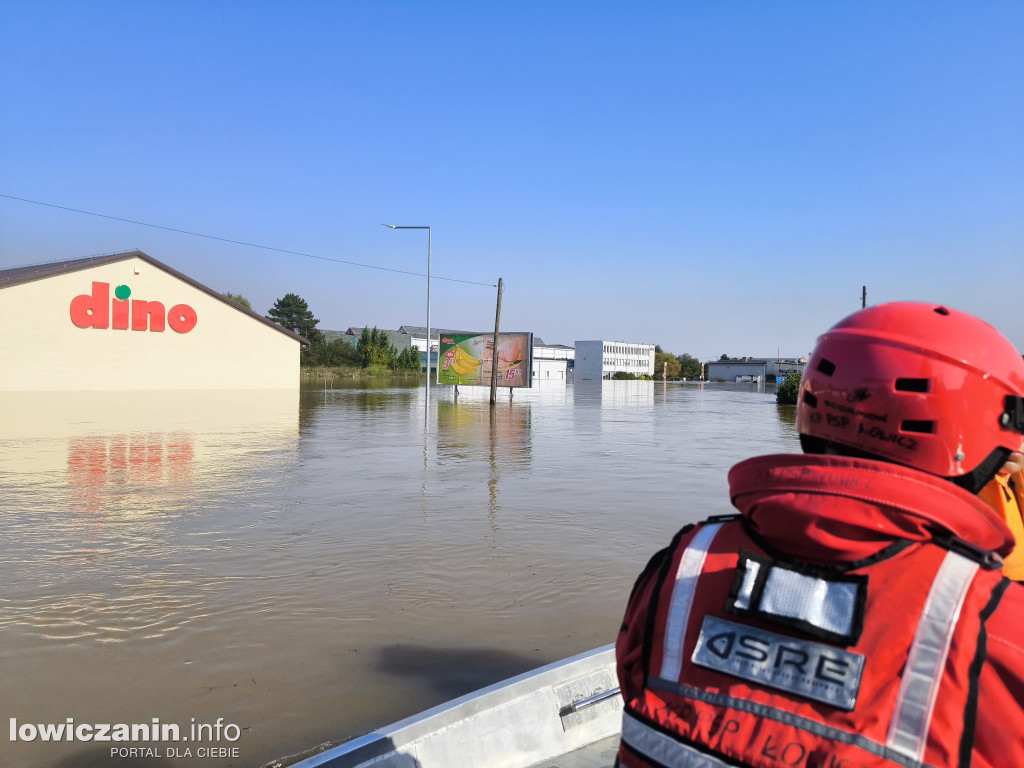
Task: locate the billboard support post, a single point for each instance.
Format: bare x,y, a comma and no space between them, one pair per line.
494,346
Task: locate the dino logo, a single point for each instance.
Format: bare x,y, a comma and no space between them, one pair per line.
98,310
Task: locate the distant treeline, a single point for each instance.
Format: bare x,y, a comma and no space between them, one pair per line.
373,350
682,366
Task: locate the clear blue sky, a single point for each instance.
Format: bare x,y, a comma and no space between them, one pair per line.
711,176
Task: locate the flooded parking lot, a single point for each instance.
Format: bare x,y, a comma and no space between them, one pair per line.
311,566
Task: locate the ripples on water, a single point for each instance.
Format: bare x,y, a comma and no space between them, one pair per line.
312,567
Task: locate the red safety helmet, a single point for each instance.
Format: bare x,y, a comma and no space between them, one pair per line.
918,384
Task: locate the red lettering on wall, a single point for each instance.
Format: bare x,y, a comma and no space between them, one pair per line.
92,310
98,310
147,315
119,316
182,318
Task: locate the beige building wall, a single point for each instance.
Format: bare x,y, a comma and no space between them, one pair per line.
41,349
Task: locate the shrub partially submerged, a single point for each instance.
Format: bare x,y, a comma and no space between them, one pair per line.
789,389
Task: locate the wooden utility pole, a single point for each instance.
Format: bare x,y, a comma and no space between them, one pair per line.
863,296
494,346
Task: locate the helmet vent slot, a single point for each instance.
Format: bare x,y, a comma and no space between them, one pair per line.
926,427
911,385
941,310
826,366
810,399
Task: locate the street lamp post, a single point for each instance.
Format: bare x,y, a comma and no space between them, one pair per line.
426,406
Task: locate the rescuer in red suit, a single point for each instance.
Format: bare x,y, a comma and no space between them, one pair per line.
854,612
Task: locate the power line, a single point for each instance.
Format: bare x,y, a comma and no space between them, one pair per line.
241,242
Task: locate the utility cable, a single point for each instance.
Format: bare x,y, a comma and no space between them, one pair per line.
250,245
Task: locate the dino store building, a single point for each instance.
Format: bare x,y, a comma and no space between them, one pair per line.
128,322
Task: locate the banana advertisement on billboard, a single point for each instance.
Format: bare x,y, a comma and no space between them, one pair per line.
466,359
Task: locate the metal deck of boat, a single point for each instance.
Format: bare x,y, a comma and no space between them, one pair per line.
564,715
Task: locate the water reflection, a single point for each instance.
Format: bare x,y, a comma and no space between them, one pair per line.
493,507
614,394
127,460
453,672
99,492
787,415
472,431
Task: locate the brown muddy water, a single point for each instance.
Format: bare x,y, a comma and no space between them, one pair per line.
311,566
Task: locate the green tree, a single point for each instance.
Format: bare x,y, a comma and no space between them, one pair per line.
408,360
673,369
689,366
334,353
375,349
788,389
724,357
238,299
292,312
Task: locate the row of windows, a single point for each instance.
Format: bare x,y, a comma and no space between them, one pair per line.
634,363
617,349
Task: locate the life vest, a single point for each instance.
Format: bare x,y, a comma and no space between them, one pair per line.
1004,495
754,659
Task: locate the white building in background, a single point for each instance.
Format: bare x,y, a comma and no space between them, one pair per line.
737,370
603,359
418,334
552,362
754,368
552,351
780,366
547,370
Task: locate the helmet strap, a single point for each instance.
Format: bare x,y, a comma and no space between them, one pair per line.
982,474
972,482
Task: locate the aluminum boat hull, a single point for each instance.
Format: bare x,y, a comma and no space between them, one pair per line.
566,713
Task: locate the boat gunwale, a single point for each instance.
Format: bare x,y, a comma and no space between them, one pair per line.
379,743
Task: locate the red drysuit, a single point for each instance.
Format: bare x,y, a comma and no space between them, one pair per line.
853,615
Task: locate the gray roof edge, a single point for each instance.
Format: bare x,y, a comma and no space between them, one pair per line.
77,265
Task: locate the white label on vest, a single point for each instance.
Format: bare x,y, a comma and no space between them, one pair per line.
828,605
814,670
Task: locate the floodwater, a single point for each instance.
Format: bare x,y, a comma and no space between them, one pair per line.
311,566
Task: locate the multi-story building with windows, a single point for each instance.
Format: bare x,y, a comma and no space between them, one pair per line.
603,359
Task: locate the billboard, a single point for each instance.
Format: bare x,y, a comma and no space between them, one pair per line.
465,358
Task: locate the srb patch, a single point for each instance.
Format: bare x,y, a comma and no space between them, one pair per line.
802,667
